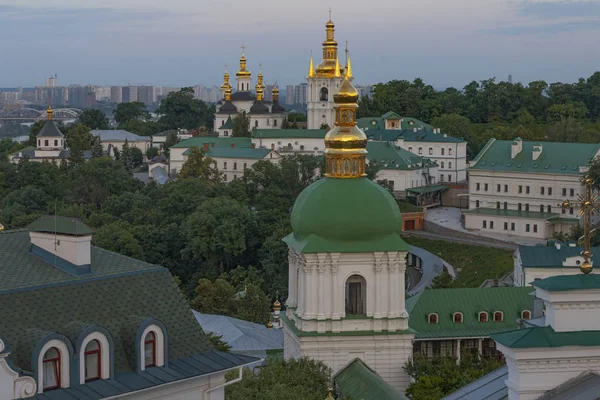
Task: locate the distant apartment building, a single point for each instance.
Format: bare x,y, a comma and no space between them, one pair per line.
145,94
103,93
215,95
51,81
44,96
268,94
301,94
129,94
116,94
81,96
365,90
12,97
289,94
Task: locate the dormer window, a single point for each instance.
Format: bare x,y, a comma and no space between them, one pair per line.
150,350
483,316
458,318
498,316
525,314
93,361
94,357
433,318
51,369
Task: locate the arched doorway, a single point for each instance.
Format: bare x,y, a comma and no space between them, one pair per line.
356,295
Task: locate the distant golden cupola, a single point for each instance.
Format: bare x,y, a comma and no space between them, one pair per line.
327,68
242,71
346,144
50,111
226,85
260,87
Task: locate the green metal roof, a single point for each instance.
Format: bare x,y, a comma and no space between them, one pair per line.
427,189
537,337
199,141
510,213
469,301
357,381
370,221
390,157
378,123
289,133
238,152
410,136
369,123
569,282
556,157
62,225
228,124
390,115
549,256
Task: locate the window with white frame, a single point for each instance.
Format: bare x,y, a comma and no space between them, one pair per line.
432,318
51,369
483,316
498,316
152,347
525,314
53,366
94,358
457,318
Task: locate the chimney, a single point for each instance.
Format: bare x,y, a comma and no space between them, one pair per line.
537,151
205,146
516,147
557,245
414,129
64,242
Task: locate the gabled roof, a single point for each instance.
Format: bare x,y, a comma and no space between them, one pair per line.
50,130
388,156
550,256
228,124
409,135
583,387
227,107
241,335
390,115
555,158
469,301
118,135
61,225
540,337
289,133
491,386
569,282
213,141
356,380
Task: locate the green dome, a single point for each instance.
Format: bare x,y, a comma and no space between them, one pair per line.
346,215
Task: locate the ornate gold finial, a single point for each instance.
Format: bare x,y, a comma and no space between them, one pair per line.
587,207
275,92
348,66
345,153
277,304
50,111
327,67
226,83
270,325
243,71
337,68
260,87
311,68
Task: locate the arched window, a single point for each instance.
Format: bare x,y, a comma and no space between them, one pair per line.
525,314
222,122
442,165
256,123
458,317
92,361
51,369
483,316
150,350
356,295
324,94
274,122
498,316
432,318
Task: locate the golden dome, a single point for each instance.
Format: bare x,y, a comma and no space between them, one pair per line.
345,144
329,67
50,112
270,325
242,71
277,305
586,267
226,83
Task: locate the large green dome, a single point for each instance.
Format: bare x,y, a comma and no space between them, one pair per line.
346,215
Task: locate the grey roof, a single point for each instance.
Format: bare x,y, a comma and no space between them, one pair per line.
488,387
50,130
241,335
277,108
259,108
119,135
183,368
583,387
242,96
227,107
29,152
160,175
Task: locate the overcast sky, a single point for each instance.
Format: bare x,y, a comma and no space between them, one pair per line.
187,42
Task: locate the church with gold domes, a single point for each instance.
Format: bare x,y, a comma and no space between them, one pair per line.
347,260
262,114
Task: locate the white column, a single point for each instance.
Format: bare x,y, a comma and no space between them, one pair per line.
336,311
377,269
393,306
458,350
480,345
292,300
301,293
320,284
400,303
309,310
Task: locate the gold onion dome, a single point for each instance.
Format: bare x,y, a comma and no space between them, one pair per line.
50,111
226,85
329,67
277,305
243,71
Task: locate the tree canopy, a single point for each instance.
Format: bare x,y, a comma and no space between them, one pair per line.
93,119
126,112
181,110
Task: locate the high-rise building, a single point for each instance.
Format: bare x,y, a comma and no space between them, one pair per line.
129,94
103,93
145,94
301,93
55,96
51,81
289,94
116,94
269,92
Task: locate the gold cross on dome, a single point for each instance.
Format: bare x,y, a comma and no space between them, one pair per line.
588,206
243,48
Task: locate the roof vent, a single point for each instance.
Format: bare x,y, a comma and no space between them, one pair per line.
516,147
547,166
535,165
563,167
509,164
494,164
519,166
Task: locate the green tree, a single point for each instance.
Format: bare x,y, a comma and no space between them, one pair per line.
181,110
79,139
303,379
97,150
217,342
241,126
126,112
442,281
253,306
566,130
140,127
171,140
118,237
94,119
127,156
151,153
200,166
324,126
137,157
216,297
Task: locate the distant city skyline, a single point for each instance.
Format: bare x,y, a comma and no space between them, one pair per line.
444,42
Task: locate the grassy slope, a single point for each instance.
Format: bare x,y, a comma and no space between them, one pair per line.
473,264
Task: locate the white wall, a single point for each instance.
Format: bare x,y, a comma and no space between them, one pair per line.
475,222
296,144
319,112
454,157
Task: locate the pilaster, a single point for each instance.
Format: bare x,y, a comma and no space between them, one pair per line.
377,268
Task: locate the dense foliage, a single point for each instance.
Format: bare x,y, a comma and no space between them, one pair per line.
438,377
302,379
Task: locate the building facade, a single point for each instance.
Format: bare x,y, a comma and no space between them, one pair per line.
515,187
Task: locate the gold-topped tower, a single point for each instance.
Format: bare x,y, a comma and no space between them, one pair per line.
260,87
329,65
226,86
243,71
50,112
346,144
